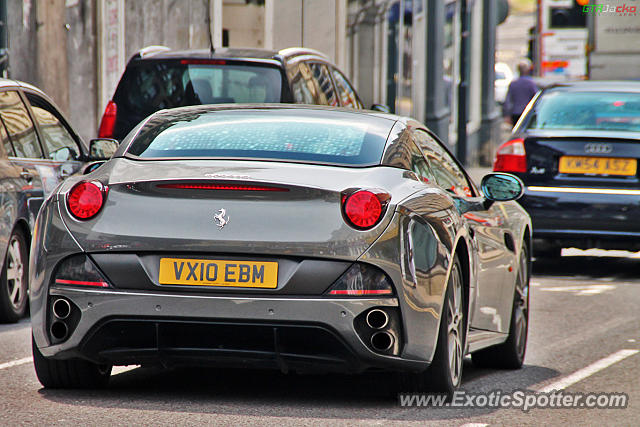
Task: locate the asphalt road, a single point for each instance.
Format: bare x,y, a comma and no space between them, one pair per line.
584,309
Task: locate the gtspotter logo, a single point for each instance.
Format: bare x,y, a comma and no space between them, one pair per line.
597,9
598,148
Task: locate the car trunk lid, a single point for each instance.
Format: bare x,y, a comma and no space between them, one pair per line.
566,159
265,208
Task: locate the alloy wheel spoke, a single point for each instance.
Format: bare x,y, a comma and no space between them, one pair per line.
522,286
12,273
522,272
452,317
14,294
454,308
14,252
522,331
459,357
455,359
452,355
454,293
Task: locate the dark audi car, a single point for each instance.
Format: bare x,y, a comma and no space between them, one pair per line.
158,78
576,149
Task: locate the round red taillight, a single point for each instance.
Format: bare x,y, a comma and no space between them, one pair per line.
363,209
86,199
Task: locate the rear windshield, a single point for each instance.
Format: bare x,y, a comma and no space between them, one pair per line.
150,86
615,111
291,135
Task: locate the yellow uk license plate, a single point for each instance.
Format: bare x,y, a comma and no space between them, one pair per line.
207,272
597,165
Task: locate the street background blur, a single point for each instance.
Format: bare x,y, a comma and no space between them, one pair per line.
430,59
447,63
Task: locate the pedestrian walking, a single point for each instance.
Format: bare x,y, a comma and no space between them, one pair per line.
520,92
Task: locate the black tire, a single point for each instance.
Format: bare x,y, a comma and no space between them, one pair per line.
73,373
445,372
510,354
548,253
14,280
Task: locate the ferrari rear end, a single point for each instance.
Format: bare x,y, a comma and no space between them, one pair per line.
169,255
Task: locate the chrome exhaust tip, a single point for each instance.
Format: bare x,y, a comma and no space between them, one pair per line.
382,341
61,308
59,330
377,319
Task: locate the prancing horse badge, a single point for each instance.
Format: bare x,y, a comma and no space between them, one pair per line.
221,218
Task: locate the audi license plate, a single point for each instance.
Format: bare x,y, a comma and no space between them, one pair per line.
597,165
207,272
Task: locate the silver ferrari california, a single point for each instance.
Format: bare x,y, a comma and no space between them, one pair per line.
287,237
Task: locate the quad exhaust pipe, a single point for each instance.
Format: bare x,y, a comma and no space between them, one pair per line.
61,308
377,319
59,330
382,341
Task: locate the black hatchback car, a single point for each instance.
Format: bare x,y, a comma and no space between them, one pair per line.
157,78
576,147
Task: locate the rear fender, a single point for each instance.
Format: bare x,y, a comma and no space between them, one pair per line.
51,243
420,282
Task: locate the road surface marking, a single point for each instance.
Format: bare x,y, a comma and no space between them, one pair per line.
16,363
116,369
581,290
474,425
122,369
583,373
601,253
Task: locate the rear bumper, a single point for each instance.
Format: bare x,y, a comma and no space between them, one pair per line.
302,334
284,346
584,219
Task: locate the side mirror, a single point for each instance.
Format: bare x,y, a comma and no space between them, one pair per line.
102,148
381,107
502,187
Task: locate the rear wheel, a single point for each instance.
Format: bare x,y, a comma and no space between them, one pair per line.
13,280
73,373
445,373
510,354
